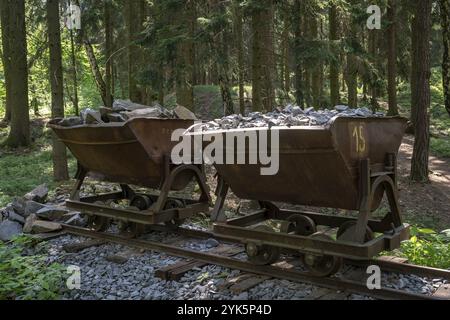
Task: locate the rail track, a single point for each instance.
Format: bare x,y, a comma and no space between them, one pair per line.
273,271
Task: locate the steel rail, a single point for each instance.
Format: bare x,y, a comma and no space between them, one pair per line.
391,266
271,271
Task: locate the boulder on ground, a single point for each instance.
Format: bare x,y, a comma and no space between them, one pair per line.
34,226
9,230
39,194
19,206
33,207
11,215
51,213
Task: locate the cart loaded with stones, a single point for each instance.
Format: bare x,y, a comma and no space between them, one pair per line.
130,145
341,159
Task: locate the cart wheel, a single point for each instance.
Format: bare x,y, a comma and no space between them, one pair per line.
98,224
174,204
262,255
301,225
321,265
348,229
141,201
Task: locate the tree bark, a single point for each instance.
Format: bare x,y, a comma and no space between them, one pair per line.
15,56
419,165
352,69
185,57
445,22
60,169
297,25
392,57
334,67
74,74
108,52
101,86
6,54
262,64
238,29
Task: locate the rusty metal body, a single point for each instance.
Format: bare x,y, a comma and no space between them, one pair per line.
133,153
349,165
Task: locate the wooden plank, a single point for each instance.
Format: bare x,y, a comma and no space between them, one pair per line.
248,284
80,246
176,271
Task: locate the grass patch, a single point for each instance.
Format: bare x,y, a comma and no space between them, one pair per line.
26,276
427,248
22,170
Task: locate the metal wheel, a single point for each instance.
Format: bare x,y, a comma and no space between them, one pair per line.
174,204
98,224
262,255
141,201
321,265
347,230
300,225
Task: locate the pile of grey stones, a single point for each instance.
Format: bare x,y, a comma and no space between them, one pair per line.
290,116
123,111
35,214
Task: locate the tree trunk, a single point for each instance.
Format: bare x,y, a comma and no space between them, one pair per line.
60,169
317,69
101,86
392,57
419,165
133,52
414,66
445,22
6,54
185,58
74,74
334,67
352,69
15,56
262,63
297,25
108,52
238,29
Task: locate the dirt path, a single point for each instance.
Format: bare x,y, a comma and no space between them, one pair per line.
423,202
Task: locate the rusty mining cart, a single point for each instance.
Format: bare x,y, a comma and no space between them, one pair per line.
135,153
349,165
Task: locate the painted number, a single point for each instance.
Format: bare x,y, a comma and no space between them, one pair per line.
360,139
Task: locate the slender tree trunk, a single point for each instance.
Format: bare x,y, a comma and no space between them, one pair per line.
60,169
414,66
74,74
17,68
101,86
133,92
297,25
262,62
445,22
185,57
352,69
238,29
317,69
108,51
334,67
392,57
6,54
419,165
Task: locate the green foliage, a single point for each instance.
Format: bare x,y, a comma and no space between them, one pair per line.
428,248
27,277
22,171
